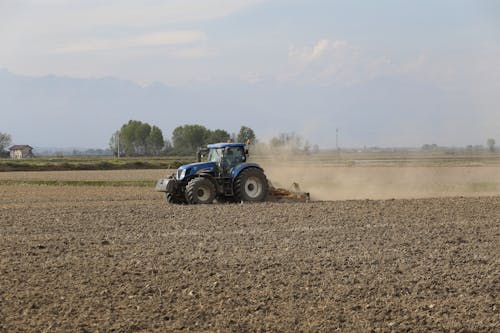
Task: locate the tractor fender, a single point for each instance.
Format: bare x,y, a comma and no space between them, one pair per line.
236,170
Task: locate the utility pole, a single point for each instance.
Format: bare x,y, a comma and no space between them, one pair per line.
118,144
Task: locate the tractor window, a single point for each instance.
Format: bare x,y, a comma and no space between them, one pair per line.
234,156
238,155
214,155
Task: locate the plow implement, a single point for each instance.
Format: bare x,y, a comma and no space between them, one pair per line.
293,194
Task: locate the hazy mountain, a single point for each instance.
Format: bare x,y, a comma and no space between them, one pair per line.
64,112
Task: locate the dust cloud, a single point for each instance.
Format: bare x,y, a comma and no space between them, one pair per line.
327,182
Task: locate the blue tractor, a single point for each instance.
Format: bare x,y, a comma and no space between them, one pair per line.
225,175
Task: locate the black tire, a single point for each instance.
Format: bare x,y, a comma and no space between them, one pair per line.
200,190
174,199
251,185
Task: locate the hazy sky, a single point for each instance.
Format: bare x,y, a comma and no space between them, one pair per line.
452,46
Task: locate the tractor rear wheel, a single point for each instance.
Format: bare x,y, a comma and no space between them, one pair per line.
251,185
200,190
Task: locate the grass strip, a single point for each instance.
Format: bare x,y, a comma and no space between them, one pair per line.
131,183
70,165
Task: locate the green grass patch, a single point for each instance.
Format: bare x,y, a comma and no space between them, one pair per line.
90,163
131,183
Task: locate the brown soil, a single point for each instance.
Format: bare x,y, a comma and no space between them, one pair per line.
88,259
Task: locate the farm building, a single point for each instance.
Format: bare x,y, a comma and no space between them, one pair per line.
21,151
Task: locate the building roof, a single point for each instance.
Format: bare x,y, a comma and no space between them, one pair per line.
20,147
224,145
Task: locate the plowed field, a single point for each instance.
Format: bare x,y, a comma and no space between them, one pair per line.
119,259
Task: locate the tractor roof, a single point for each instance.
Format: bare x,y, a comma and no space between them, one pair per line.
224,145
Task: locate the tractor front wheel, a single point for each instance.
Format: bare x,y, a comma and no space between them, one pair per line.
200,190
251,185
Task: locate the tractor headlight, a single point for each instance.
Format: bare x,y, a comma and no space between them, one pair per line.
181,174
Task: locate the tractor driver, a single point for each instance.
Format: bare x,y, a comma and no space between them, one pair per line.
233,157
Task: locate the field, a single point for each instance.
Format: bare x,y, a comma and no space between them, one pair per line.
393,248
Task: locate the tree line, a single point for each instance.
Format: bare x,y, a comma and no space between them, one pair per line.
5,141
136,138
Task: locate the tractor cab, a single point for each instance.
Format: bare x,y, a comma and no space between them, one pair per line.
226,156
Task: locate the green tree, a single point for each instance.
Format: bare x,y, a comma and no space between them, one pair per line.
246,133
307,147
188,138
155,142
137,138
491,144
114,143
430,147
142,137
168,147
218,136
5,141
131,140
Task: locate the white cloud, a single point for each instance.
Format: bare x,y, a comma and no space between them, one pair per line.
319,49
307,54
196,52
40,27
84,15
155,39
330,61
469,70
50,36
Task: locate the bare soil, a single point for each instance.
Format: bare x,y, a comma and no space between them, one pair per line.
104,259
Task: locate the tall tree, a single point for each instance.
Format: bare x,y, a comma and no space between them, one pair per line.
246,134
137,138
155,141
491,144
142,133
115,145
5,141
186,139
218,136
128,137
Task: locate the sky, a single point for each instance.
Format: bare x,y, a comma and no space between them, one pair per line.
330,47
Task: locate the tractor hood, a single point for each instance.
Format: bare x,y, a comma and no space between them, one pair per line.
194,168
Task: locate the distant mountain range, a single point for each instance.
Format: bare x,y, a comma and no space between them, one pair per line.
54,111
